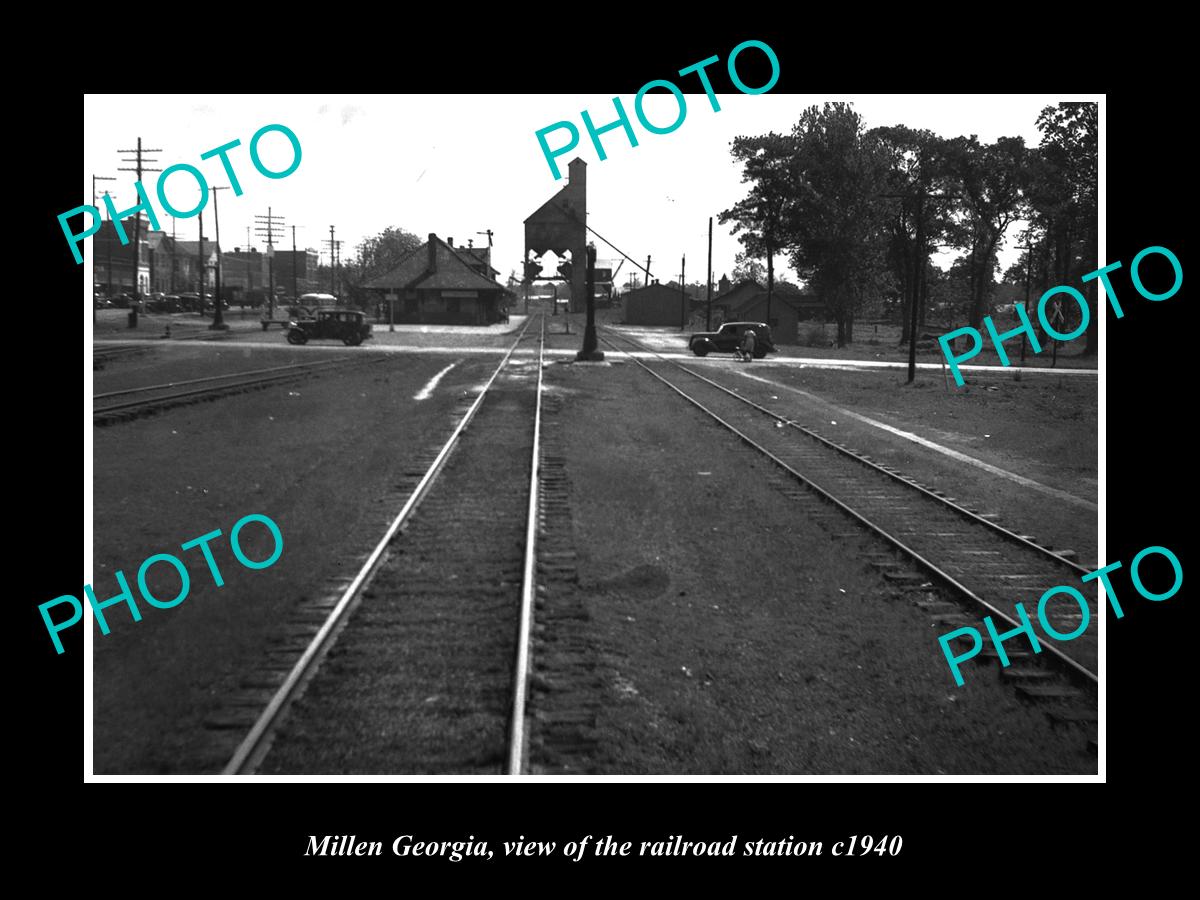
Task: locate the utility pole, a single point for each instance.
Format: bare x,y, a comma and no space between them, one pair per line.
174,254
268,225
683,293
647,270
140,167
708,311
920,196
1028,275
295,293
332,262
109,243
218,323
201,261
95,200
95,178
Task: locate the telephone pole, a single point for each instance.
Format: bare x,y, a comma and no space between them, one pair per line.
218,323
140,167
95,200
109,244
1028,276
332,262
295,293
268,225
683,293
200,267
95,178
920,195
708,309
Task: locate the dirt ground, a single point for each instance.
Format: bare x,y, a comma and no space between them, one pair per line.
743,635
738,632
1042,428
317,456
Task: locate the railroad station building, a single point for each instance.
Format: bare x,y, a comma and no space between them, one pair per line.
438,283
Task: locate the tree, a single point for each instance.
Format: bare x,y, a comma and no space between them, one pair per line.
1061,185
747,269
918,218
758,217
375,256
836,221
988,179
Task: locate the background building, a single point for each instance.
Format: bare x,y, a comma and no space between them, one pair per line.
114,260
437,283
655,304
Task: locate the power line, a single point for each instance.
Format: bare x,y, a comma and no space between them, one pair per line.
646,268
140,167
334,245
267,226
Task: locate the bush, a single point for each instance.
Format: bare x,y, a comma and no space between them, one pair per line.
812,334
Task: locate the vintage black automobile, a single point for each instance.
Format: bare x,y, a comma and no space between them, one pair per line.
346,325
729,337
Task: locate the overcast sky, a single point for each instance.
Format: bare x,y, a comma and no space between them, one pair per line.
460,164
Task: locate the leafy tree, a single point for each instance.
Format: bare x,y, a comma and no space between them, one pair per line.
917,218
988,179
758,218
1061,186
836,221
747,269
375,256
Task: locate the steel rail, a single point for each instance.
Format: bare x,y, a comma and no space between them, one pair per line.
198,392
172,384
517,731
857,457
256,744
1073,667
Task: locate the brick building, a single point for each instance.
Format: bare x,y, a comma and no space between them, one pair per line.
301,263
113,260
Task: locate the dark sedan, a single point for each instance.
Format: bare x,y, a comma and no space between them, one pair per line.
729,337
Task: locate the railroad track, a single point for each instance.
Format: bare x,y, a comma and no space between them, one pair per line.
421,663
983,565
107,407
103,355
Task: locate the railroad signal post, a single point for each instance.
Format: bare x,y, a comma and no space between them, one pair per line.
590,351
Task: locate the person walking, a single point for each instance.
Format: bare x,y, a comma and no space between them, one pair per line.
747,348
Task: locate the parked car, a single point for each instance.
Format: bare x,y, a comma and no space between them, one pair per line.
346,325
164,303
729,337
